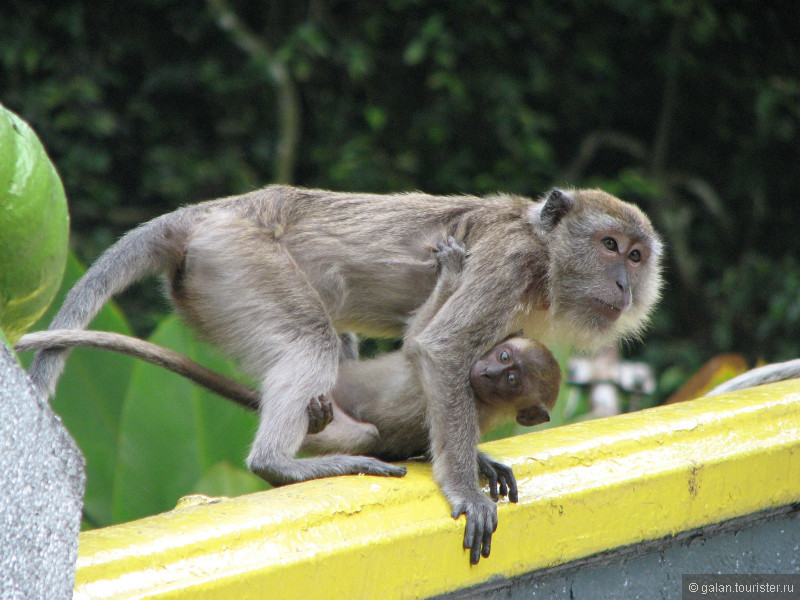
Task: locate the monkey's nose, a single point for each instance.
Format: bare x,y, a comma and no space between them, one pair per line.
493,372
622,280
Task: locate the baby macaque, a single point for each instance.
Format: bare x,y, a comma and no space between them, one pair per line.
378,408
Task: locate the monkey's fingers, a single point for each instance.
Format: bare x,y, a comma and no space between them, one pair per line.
503,487
500,475
481,524
508,483
450,255
491,475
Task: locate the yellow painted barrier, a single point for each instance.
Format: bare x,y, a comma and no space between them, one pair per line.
584,489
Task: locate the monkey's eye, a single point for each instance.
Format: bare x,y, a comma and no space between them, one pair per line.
635,256
513,380
504,357
610,244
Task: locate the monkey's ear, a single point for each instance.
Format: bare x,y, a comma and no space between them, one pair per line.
533,415
558,204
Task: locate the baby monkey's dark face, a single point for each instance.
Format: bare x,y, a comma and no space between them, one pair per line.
519,372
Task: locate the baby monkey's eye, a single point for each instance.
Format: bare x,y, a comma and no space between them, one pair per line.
504,357
513,380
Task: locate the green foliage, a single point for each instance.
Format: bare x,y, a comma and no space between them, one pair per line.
174,434
148,435
89,400
34,226
690,109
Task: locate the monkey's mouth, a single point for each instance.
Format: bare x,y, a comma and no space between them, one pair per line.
609,311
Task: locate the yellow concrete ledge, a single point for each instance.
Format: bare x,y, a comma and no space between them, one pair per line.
584,489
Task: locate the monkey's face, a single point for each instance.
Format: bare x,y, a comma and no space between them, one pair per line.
619,259
603,269
519,375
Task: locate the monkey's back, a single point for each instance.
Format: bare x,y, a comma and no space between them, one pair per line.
371,273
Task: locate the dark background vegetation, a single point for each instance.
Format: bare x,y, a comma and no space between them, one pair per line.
689,108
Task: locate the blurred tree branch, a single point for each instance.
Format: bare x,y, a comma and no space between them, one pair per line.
289,117
596,141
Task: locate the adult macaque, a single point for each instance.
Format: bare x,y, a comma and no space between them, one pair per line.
380,407
271,276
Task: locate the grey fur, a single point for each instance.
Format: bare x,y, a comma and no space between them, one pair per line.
271,276
146,351
380,407
759,376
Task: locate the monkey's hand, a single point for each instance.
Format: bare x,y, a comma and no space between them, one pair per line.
320,413
450,256
481,515
498,474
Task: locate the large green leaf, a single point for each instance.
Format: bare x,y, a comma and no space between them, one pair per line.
223,479
173,432
89,400
34,226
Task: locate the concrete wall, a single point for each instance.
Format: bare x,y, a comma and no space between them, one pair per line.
41,492
764,543
639,482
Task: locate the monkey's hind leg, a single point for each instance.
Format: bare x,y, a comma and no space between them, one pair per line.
245,294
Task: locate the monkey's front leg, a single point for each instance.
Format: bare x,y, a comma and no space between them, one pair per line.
501,478
450,258
454,437
500,475
476,315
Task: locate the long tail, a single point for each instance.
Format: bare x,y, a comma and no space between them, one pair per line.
147,351
760,376
154,247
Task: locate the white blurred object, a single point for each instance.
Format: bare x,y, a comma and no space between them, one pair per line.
606,376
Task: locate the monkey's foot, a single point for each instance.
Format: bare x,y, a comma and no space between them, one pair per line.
498,474
450,256
320,413
295,470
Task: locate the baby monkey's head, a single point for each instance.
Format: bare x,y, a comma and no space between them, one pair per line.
521,374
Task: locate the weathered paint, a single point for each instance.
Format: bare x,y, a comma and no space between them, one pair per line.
765,543
584,489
